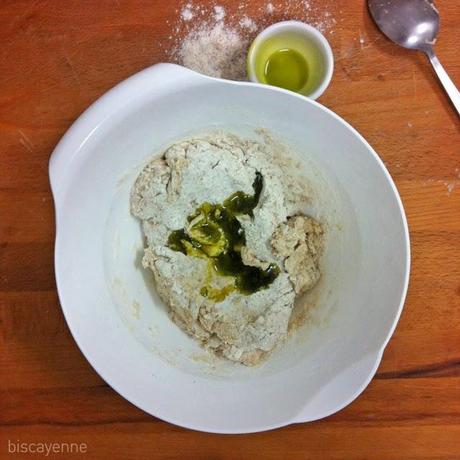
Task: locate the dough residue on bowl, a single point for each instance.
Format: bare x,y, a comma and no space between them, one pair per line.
186,202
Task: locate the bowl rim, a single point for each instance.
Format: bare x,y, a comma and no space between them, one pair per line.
79,132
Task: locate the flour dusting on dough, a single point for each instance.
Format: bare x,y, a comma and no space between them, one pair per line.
210,168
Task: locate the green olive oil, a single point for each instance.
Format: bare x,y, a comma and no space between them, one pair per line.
286,68
288,60
214,233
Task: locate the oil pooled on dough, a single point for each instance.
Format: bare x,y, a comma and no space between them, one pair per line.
213,232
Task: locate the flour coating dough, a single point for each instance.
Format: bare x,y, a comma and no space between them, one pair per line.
242,328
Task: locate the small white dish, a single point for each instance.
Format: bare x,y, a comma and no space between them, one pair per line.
303,38
109,300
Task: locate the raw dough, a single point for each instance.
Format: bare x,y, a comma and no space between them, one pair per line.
210,168
299,241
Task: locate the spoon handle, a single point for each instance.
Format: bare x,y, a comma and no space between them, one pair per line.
448,84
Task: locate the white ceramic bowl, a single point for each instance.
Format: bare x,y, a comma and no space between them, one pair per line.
110,303
308,39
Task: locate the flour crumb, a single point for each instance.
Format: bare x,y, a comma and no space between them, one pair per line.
453,184
269,9
219,13
247,23
450,186
361,39
187,13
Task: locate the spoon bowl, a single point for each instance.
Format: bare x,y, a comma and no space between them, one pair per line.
412,24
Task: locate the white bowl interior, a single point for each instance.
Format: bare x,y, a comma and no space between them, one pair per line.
110,301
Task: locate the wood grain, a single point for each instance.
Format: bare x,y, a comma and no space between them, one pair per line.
56,58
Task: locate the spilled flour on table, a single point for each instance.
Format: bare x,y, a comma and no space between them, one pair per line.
214,39
450,185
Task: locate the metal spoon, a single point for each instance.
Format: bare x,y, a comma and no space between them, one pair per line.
414,24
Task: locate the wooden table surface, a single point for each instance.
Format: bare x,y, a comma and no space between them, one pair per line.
58,56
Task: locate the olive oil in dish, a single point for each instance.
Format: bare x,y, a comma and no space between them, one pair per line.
287,69
291,55
290,62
